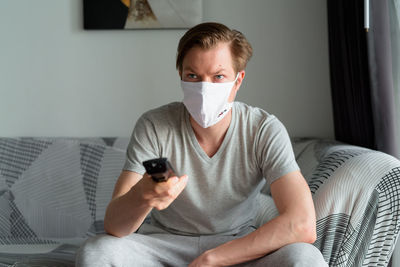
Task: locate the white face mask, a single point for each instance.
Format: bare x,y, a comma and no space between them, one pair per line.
207,102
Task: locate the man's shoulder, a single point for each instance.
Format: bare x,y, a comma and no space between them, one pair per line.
253,114
170,111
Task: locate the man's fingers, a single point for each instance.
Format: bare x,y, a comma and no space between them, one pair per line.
168,192
179,186
171,188
172,181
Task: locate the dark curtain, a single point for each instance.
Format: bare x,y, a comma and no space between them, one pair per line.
350,85
361,75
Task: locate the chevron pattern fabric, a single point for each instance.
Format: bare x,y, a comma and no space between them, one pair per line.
356,196
54,193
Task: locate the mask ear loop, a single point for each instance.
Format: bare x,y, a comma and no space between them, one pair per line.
237,76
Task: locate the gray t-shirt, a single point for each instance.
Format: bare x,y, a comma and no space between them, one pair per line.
221,191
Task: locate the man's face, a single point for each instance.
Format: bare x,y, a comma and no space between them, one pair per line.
212,65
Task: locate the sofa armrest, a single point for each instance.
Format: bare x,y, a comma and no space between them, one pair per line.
356,196
356,193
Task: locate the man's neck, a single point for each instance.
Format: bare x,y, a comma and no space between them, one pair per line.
211,138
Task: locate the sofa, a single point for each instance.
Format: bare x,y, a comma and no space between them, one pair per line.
54,192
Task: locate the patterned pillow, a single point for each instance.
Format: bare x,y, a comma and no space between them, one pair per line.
56,188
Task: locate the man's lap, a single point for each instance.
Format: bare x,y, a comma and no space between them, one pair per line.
153,246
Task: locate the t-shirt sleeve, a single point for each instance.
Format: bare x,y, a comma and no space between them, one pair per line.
143,146
275,153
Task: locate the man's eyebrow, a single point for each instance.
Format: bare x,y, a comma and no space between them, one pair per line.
220,70
188,69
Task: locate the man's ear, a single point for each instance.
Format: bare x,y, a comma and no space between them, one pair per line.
240,78
180,74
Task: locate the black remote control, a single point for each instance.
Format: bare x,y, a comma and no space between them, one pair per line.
159,169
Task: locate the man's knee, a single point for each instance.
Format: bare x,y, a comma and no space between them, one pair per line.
301,254
101,250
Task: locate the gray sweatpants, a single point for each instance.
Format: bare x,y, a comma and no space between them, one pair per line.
152,246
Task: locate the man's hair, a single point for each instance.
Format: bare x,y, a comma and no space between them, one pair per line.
208,35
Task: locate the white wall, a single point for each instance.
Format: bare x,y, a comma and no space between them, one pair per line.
57,79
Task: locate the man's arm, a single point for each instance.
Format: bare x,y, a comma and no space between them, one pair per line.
134,197
125,212
296,223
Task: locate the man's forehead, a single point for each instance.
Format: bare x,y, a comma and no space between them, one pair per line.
217,58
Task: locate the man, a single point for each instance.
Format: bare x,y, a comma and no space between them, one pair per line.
223,149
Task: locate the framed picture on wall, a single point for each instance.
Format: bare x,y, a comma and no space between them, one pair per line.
141,14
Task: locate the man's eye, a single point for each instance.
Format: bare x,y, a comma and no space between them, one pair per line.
192,76
219,77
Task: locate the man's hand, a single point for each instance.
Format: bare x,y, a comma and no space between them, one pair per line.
160,195
134,197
